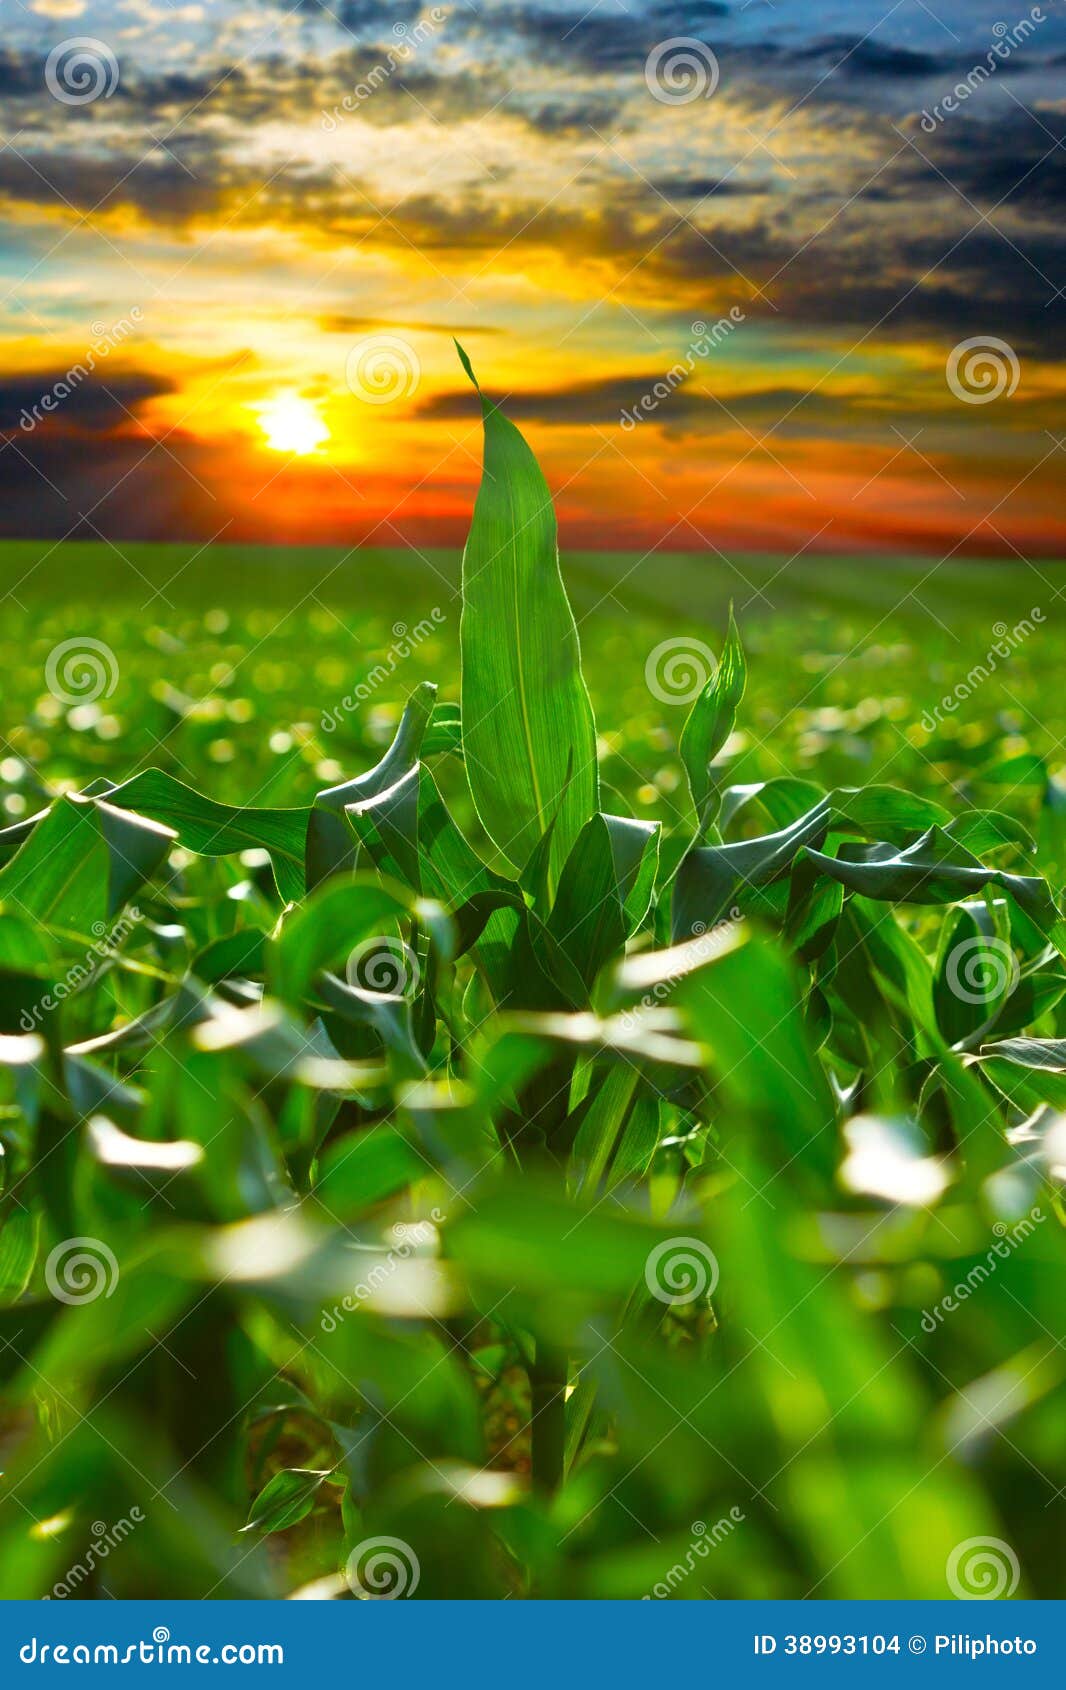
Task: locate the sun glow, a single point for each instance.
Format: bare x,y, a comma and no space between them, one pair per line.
292,424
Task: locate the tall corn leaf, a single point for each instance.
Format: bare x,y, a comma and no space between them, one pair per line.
528,732
709,725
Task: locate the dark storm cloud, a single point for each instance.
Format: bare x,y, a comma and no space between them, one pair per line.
204,114
600,402
21,74
691,406
702,187
1017,160
854,55
22,77
159,184
359,16
585,38
79,400
597,43
179,91
414,91
121,486
940,283
856,72
574,117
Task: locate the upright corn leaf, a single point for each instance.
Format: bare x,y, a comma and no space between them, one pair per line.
528,734
710,724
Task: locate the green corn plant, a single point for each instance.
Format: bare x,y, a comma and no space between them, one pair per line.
611,1101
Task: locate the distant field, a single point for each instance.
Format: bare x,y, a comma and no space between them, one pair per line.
234,657
659,584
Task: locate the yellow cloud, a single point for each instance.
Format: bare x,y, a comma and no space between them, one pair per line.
58,8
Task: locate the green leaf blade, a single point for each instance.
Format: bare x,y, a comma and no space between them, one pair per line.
528,733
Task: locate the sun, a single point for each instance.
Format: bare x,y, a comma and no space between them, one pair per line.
292,424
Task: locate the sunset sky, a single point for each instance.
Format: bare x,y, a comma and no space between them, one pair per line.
272,218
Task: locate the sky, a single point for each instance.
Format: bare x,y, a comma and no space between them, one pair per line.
760,275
